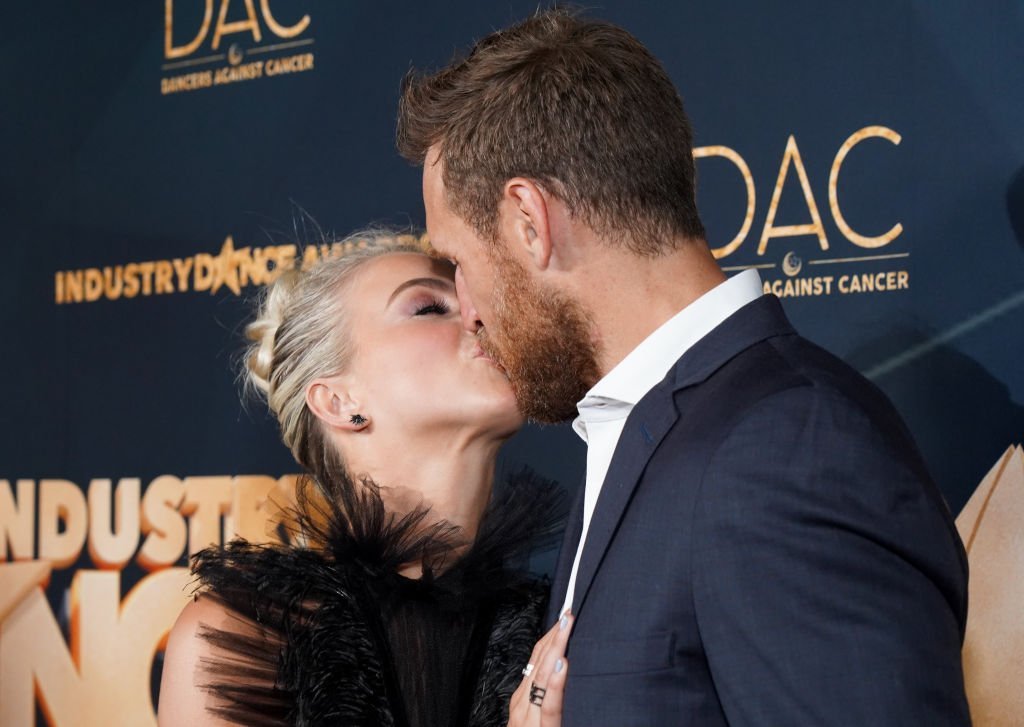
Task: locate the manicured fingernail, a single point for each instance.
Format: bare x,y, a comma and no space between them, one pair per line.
563,623
559,665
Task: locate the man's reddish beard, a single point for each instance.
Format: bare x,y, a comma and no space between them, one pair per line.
542,340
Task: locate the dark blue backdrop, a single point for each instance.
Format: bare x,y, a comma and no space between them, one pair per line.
99,168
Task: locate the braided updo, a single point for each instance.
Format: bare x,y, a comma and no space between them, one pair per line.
298,336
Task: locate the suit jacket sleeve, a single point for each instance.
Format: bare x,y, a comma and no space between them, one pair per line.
829,583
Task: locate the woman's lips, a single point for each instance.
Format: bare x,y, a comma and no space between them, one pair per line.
479,352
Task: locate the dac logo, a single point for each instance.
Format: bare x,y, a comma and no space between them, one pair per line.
790,264
250,24
189,37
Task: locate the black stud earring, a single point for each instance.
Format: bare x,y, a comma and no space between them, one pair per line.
358,419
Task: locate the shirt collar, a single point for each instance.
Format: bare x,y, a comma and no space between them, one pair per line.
617,393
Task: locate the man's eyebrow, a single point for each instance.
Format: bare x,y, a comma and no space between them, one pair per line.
437,283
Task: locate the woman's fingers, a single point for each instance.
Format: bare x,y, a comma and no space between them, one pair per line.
546,654
519,706
551,707
535,658
549,677
553,650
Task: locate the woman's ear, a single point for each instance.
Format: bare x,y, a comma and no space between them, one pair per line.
332,403
525,220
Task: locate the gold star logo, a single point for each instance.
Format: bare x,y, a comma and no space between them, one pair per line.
225,267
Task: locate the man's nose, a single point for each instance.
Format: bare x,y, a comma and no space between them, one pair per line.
470,320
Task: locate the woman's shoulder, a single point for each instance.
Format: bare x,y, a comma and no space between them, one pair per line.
186,647
184,698
221,667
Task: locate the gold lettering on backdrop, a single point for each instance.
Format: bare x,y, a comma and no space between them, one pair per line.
233,74
239,26
35,657
20,579
170,51
226,268
872,282
186,82
73,286
792,155
131,280
258,504
254,267
102,671
146,269
232,268
284,258
791,158
223,27
207,500
279,30
799,287
748,179
61,502
204,272
174,517
246,23
113,537
313,253
880,282
17,519
291,64
113,281
93,284
162,523
164,273
181,269
104,675
833,184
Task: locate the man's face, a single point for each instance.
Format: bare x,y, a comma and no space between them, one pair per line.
540,335
455,240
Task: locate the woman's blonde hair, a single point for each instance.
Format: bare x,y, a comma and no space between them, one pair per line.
300,334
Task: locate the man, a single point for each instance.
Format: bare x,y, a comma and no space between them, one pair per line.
758,541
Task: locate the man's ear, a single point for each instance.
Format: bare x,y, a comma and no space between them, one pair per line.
525,220
333,403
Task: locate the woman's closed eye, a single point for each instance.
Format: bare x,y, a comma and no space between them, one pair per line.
433,306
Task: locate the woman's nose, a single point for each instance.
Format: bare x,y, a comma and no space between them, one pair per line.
470,319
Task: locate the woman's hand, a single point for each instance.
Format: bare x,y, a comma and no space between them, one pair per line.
538,700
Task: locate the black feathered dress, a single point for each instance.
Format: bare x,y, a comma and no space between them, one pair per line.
325,631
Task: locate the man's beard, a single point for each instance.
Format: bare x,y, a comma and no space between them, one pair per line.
545,344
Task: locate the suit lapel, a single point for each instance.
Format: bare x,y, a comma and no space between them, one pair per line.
651,420
646,426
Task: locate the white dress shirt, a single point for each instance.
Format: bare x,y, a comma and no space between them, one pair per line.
604,409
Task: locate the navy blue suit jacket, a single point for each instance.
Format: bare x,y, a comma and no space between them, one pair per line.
767,549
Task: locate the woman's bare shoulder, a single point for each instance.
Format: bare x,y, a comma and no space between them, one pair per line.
182,700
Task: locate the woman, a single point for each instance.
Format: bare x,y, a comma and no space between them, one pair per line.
393,604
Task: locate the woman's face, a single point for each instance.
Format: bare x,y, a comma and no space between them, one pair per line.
414,367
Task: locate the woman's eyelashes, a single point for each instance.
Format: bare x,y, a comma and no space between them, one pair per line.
433,306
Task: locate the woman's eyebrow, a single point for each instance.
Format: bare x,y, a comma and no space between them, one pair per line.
437,283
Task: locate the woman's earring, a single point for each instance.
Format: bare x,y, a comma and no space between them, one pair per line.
358,419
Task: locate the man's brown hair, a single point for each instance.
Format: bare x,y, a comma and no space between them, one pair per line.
577,105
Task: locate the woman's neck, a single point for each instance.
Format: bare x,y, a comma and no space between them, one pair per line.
451,476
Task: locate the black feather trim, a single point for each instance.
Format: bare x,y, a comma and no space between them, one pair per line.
309,638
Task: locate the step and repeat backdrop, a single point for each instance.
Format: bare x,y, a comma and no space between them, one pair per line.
163,160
